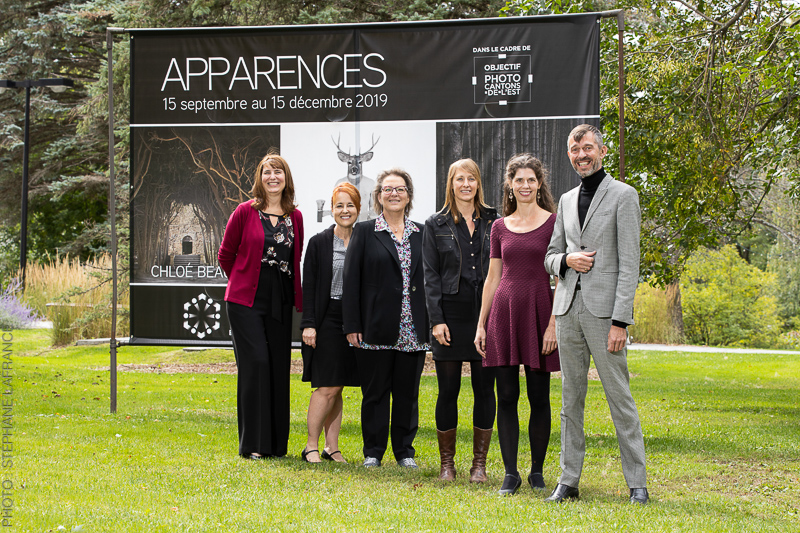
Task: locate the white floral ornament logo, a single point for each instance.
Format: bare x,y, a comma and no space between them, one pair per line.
201,316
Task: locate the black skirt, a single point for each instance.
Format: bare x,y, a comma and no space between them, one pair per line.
461,311
333,362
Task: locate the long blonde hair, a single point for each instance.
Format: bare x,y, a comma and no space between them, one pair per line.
470,167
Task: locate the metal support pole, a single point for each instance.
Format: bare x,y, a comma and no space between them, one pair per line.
23,226
619,14
621,44
112,222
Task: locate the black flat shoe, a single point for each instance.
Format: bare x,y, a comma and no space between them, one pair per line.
536,481
563,493
304,454
329,456
640,496
511,483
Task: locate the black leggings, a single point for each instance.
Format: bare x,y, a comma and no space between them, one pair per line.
448,374
538,385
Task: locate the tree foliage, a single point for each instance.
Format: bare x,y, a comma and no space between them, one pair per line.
67,199
712,114
782,215
727,302
711,102
69,132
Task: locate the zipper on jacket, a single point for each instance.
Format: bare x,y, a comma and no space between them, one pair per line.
455,238
485,233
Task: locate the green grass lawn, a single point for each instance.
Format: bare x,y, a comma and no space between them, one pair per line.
722,433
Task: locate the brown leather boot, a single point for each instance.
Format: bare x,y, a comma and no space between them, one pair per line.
447,451
481,438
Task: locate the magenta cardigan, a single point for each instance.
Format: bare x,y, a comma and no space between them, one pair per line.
241,250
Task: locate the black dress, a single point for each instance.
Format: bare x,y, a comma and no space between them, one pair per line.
262,345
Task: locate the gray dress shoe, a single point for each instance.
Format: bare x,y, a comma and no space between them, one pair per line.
408,462
370,462
563,493
640,496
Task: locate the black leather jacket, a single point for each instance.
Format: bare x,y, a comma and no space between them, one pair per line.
441,258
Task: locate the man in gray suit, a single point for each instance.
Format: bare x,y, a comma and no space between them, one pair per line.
594,252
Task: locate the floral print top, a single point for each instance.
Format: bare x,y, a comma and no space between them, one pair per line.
407,340
278,241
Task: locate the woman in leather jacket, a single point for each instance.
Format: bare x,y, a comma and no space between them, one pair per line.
455,253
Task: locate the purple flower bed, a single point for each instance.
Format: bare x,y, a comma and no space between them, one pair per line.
14,314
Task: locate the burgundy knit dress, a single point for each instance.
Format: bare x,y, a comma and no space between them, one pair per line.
523,301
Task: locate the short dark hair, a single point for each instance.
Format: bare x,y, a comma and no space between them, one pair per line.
578,133
400,173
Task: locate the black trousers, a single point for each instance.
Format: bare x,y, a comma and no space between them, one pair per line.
385,375
262,346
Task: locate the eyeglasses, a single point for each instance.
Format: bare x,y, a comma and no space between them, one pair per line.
399,190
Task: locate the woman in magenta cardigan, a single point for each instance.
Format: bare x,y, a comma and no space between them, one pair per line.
260,254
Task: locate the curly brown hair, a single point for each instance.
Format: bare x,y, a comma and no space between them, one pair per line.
544,198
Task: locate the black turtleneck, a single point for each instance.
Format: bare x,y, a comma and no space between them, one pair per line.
589,186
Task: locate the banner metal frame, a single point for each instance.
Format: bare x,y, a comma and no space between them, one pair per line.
619,14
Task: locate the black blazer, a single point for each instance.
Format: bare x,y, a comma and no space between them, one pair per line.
317,278
373,286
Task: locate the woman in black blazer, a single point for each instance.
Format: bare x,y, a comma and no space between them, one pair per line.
386,320
329,362
455,254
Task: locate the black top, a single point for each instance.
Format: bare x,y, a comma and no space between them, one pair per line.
278,241
470,252
276,263
589,186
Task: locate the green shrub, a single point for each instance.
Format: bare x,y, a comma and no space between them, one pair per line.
727,302
653,317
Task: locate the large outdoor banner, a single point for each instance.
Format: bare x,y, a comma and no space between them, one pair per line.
340,103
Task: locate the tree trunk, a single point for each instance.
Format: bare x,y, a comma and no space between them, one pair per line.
676,309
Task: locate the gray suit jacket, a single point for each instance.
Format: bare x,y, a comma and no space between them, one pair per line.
612,228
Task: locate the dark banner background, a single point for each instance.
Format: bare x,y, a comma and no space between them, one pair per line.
482,89
426,71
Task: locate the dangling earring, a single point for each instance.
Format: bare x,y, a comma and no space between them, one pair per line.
510,194
538,196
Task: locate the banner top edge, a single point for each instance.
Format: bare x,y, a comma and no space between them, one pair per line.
365,25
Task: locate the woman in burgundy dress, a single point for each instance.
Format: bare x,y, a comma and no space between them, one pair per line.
516,325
